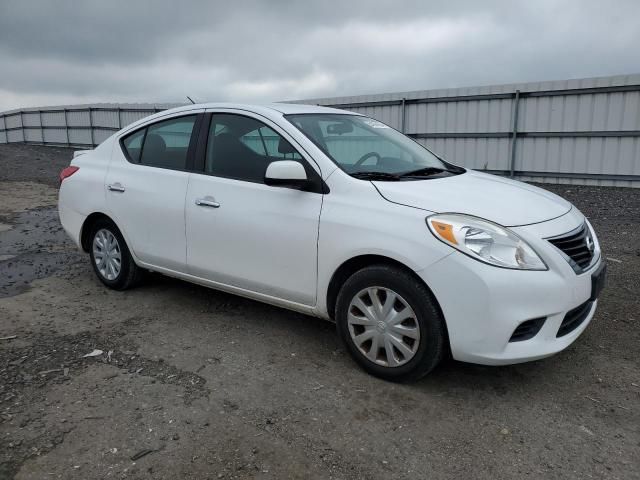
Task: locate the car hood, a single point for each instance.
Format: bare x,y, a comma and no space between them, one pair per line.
507,202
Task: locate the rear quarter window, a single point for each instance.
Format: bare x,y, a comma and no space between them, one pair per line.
133,145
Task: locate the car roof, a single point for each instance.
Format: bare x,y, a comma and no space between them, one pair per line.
292,108
283,108
267,110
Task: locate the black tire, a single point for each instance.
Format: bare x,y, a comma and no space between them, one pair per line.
432,346
130,274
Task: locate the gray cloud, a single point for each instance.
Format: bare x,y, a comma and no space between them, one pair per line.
68,51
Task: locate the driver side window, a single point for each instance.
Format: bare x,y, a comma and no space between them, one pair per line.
265,141
242,147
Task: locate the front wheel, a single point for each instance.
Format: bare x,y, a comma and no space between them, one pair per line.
390,323
110,257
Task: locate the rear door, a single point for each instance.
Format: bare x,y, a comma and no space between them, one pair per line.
242,232
146,187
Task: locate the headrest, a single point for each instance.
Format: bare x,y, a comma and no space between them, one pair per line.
154,144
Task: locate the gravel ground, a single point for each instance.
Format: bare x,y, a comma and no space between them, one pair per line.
194,383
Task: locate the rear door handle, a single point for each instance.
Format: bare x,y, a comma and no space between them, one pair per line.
207,202
115,187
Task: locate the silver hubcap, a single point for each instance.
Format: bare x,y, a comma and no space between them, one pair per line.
106,253
383,326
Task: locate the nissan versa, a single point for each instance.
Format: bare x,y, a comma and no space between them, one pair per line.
337,215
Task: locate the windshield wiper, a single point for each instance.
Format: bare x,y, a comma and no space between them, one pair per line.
372,175
418,173
423,172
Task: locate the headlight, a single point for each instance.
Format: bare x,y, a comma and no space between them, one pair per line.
485,241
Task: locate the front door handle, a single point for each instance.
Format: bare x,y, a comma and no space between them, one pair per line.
207,202
115,187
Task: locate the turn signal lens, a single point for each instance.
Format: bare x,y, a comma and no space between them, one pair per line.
485,241
445,230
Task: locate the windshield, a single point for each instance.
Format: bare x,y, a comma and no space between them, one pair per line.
367,148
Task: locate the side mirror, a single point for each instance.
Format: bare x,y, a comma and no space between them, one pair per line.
286,173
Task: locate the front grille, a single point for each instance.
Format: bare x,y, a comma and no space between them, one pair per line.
574,318
578,247
527,330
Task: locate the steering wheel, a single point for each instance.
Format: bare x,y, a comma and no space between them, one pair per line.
366,157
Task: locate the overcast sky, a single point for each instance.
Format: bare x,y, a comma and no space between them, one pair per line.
58,52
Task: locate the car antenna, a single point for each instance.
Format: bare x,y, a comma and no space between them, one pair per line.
191,100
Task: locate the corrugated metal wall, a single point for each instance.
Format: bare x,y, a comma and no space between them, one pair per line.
583,131
72,125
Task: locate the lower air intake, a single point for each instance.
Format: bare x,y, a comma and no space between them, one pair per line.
527,330
574,318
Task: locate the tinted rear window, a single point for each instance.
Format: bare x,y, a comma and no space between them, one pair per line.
163,144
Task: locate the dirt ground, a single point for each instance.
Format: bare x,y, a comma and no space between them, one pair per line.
198,384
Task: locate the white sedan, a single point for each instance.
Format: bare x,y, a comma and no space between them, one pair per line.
337,215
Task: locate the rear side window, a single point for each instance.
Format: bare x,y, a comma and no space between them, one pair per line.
164,144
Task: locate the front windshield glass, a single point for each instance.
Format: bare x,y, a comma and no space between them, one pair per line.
364,146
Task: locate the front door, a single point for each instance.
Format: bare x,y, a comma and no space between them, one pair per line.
242,232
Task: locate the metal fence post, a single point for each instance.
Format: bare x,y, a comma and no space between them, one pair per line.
24,140
514,134
119,118
403,119
41,126
93,143
66,126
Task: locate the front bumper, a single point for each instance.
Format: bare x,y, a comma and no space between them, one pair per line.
483,304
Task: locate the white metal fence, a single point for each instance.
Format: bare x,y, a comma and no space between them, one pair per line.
575,131
71,125
583,131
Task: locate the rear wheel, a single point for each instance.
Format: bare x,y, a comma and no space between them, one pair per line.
110,257
390,323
